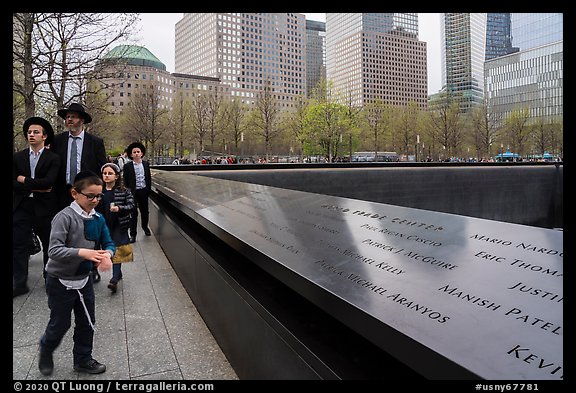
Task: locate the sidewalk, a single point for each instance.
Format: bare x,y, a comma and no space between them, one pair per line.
148,329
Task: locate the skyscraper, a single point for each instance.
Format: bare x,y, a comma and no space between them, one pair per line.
372,56
315,53
498,35
247,51
463,55
530,30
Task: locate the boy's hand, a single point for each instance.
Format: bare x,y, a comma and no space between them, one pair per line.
100,258
93,255
105,263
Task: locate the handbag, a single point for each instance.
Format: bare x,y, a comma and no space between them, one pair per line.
35,246
124,253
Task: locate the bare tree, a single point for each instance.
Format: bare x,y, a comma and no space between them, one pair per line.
214,117
65,48
376,118
265,116
407,126
485,129
145,116
234,113
295,122
198,117
545,136
179,119
25,76
519,132
353,111
445,124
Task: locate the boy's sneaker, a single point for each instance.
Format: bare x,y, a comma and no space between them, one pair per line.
92,367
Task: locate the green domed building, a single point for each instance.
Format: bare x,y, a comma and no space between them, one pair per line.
134,55
128,71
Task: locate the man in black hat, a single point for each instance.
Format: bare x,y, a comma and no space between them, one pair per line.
34,201
78,150
137,177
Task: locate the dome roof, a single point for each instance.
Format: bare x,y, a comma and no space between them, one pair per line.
135,55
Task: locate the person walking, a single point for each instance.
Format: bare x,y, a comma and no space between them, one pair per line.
137,177
79,240
122,159
34,201
116,206
79,151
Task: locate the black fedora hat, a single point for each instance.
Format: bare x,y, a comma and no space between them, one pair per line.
74,107
132,146
41,122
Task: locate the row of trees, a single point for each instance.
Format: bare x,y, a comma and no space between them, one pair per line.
326,125
52,55
55,53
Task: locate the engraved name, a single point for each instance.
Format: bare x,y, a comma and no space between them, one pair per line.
525,355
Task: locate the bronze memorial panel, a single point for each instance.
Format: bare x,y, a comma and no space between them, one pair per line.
481,294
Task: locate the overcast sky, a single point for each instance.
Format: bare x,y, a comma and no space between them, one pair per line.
157,33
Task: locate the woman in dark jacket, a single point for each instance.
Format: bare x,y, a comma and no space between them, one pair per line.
116,206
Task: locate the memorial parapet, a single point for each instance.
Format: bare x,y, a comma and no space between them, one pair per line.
450,296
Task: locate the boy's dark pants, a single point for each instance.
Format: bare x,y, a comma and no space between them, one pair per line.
62,302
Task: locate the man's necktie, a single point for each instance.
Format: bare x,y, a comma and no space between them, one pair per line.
73,158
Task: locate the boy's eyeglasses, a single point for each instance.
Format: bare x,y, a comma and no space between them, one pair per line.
92,196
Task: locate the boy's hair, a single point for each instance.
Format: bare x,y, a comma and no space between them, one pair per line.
86,179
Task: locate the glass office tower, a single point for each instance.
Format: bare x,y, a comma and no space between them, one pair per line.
498,35
315,54
530,30
463,55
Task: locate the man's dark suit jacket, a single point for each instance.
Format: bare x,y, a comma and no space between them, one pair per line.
129,176
45,203
93,157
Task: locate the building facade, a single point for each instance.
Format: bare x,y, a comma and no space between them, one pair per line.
531,30
376,56
246,51
134,70
531,79
315,54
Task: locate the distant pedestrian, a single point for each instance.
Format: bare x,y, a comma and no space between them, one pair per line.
137,177
122,160
79,240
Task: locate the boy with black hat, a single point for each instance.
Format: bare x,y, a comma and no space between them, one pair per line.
34,202
137,177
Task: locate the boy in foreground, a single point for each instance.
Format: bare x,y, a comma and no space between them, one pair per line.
79,239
